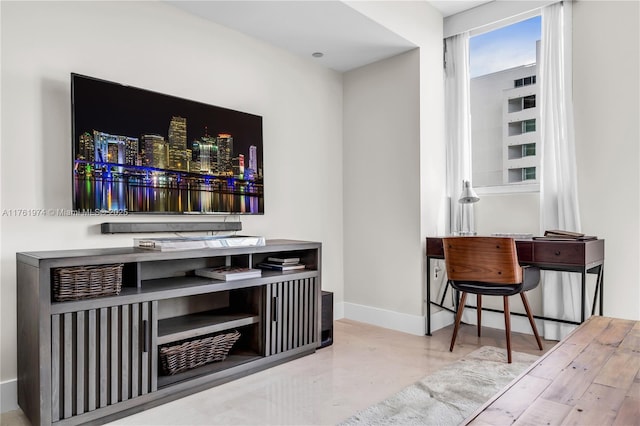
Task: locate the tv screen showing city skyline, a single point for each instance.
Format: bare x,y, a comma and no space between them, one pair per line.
139,151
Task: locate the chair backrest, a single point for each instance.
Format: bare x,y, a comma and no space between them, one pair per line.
482,259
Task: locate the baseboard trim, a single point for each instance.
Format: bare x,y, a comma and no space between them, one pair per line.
8,395
412,324
441,319
415,324
338,310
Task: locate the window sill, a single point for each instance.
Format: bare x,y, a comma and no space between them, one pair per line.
508,189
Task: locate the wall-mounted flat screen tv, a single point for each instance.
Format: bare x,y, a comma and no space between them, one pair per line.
139,151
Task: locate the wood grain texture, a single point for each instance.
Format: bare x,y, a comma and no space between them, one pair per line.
573,381
551,366
543,412
629,413
591,377
598,405
506,411
485,259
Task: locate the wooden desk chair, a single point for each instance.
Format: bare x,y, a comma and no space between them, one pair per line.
488,266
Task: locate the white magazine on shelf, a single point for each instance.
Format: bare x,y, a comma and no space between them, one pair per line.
229,273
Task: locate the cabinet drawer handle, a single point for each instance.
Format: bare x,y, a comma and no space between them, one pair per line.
275,309
558,253
145,338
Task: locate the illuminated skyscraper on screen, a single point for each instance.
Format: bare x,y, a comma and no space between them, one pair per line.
225,153
155,151
253,158
178,143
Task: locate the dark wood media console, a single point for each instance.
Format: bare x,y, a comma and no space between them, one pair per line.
97,359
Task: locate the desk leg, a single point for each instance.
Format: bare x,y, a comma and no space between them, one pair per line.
428,296
444,294
600,286
583,293
597,295
601,283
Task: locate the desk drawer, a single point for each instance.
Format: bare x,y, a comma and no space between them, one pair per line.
435,247
565,253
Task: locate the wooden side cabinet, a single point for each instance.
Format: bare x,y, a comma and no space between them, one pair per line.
293,315
97,359
100,357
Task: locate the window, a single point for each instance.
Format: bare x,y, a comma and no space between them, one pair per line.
503,94
528,126
519,127
529,102
529,173
518,104
526,81
521,151
528,149
521,174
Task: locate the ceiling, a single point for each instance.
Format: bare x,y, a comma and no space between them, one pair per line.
346,38
451,7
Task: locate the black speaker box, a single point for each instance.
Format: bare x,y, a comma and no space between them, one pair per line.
326,336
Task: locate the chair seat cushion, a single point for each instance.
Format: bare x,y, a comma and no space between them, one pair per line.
531,279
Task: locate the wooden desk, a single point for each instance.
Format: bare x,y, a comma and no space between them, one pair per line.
582,257
592,377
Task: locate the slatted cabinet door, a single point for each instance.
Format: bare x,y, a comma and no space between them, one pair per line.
101,357
292,308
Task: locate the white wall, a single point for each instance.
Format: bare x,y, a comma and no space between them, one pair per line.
606,92
156,46
394,170
381,186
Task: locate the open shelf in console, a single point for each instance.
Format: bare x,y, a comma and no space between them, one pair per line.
233,360
201,323
151,271
192,283
309,258
167,288
202,316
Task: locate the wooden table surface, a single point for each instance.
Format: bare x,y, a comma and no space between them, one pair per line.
592,377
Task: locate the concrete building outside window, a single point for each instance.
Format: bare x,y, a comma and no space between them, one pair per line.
504,120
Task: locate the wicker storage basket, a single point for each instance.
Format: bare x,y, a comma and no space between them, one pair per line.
84,282
195,353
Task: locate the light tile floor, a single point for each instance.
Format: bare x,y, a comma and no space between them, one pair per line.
365,365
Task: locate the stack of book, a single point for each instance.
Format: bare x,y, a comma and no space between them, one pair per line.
282,263
229,273
561,235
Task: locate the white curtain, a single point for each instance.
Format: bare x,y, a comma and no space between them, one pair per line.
558,182
457,133
457,123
